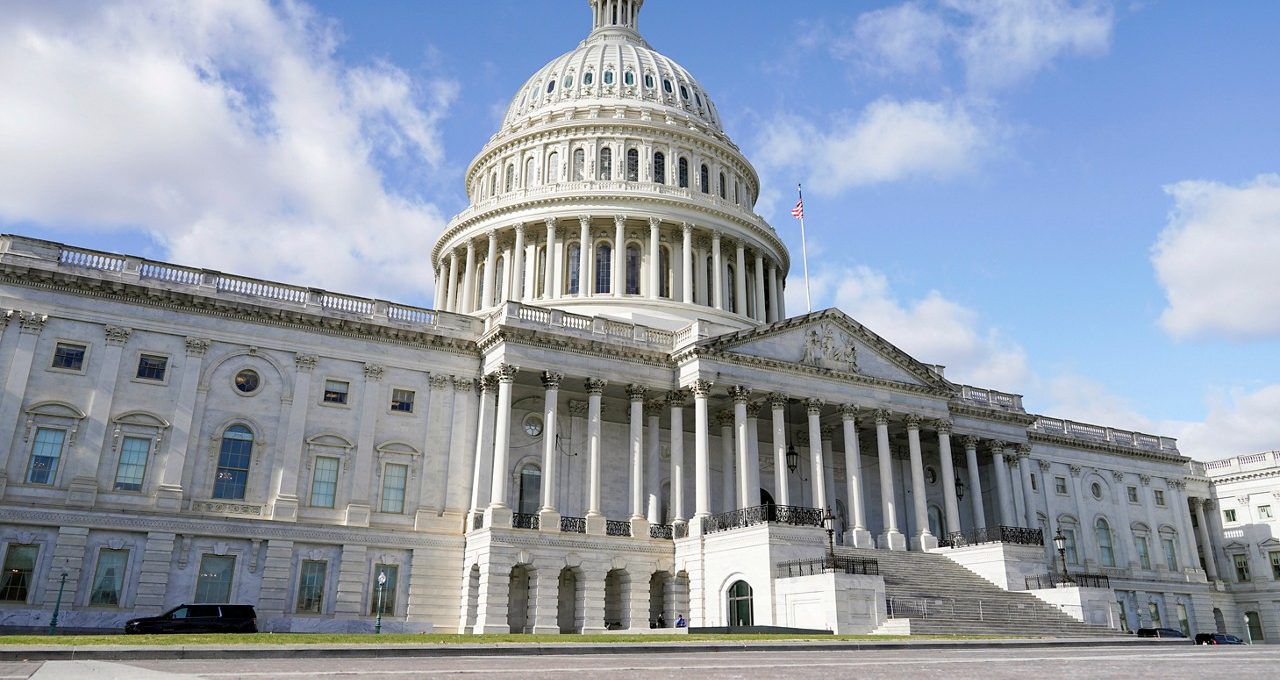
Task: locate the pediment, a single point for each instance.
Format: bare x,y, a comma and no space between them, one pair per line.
832,341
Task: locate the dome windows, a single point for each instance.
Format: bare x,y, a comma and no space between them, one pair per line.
629,78
648,81
608,77
568,81
684,93
551,86
697,99
588,78
666,85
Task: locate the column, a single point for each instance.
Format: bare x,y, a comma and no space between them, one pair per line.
652,473
891,539
740,279
15,384
772,315
975,482
759,280
169,492
586,255
82,469
1182,517
515,273
925,540
817,472
782,490
1206,544
740,394
499,514
439,295
1015,486
1124,533
469,278
619,255
595,518
686,260
1000,469
701,463
558,266
284,473
530,270
654,269
548,275
703,296
549,514
1024,467
858,535
676,400
728,480
753,454
484,449
717,272
635,394
782,297
950,506
490,271
452,288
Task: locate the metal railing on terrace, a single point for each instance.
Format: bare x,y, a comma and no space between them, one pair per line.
996,534
1104,435
821,565
792,515
1077,580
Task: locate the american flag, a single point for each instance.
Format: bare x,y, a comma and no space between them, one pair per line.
798,211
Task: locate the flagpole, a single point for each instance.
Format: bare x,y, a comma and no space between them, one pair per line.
804,251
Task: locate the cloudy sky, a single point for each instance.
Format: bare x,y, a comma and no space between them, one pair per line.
1074,200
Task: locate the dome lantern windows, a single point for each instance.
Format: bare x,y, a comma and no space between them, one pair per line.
579,163
568,81
606,164
704,179
683,173
659,168
684,93
633,165
551,86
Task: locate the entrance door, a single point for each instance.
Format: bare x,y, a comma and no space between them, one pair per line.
741,610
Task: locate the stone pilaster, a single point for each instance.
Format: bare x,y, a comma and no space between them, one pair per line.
353,581
274,597
153,575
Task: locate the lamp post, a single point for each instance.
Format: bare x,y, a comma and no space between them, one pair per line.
1060,544
829,521
57,605
382,583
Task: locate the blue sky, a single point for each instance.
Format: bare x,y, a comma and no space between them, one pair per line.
1077,201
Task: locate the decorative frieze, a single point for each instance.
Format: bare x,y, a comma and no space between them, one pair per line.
226,508
305,363
373,372
115,335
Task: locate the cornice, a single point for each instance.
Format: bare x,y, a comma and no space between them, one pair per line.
1244,476
957,407
541,338
696,352
1104,447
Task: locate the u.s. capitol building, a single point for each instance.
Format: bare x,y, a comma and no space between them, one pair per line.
609,420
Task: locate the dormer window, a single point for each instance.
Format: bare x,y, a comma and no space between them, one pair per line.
568,81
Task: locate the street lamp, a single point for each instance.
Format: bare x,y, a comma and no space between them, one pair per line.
1060,544
829,521
793,458
382,583
53,622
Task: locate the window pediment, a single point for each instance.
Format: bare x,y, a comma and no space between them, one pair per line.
55,413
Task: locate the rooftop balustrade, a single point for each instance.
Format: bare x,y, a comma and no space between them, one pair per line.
1252,461
1104,435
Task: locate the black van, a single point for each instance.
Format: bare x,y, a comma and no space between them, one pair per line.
199,618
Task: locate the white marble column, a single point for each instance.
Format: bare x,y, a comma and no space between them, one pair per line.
818,471
703,286
487,292
1001,471
729,488
499,513
686,263
619,255
655,271
676,401
1182,521
701,445
635,447
451,287
717,272
284,470
483,472
975,482
549,269
1024,468
595,518
782,490
549,514
586,257
858,535
759,314
740,395
1210,565
891,539
950,506
469,279
924,539
1015,483
753,454
740,278
652,473
169,492
441,287
773,295
515,273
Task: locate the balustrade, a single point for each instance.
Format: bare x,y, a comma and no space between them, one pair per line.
831,563
996,534
792,515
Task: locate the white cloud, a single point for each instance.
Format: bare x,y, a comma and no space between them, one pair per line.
904,38
889,141
1217,259
932,329
230,132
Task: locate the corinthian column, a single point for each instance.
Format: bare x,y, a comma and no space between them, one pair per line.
469,278
490,271
975,482
924,540
499,514
818,471
950,506
619,256
858,536
586,256
740,279
758,314
676,401
595,518
635,393
549,515
654,269
782,490
717,272
517,266
686,264
701,463
891,539
1001,470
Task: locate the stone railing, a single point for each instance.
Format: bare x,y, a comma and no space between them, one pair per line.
996,534
793,515
1252,461
525,314
1104,435
984,397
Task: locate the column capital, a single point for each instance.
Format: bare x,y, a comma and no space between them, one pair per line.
1145,480
1208,503
1117,476
439,382
701,388
943,425
373,372
1177,483
881,416
1024,450
777,401
753,409
848,412
740,393
595,386
635,392
654,222
196,347
913,421
519,228
715,235
1076,470
1044,465
686,227
551,380
619,220
724,419
584,221
493,238
303,362
970,442
653,409
116,335
1194,501
469,384
827,430
507,373
578,409
813,406
551,223
996,446
677,398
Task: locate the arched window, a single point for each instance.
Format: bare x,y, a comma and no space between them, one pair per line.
606,164
659,168
683,173
553,168
741,610
730,290
664,272
1169,541
528,172
935,520
633,270
722,190
711,282
529,499
1142,543
1102,533
539,275
604,268
579,164
704,176
233,463
633,165
736,194
499,280
493,184
510,182
575,267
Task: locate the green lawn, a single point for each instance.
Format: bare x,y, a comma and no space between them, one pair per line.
421,638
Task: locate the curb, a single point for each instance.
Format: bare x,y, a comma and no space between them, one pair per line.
208,652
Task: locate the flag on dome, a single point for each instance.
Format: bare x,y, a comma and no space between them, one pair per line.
798,211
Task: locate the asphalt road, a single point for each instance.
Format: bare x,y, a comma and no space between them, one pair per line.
989,664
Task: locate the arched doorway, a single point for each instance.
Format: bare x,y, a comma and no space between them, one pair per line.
473,599
658,606
1219,622
567,601
615,593
741,610
1254,621
518,619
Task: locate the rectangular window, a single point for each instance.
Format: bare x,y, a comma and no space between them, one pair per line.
69,356
393,481
1184,624
1124,616
19,563
1035,484
46,452
1060,485
1170,553
1154,610
1241,562
324,483
152,367
1264,512
1070,535
387,596
1229,515
213,583
1144,552
1133,494
335,391
311,587
1159,497
108,578
402,401
1275,564
133,463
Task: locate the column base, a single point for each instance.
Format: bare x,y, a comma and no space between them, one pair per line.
285,509
595,524
169,498
358,515
548,521
860,538
491,629
924,542
427,519
497,516
82,492
546,630
893,540
639,527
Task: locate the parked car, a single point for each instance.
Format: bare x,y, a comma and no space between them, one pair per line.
1217,639
199,618
1161,633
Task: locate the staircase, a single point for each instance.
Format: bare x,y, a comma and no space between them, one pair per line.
928,594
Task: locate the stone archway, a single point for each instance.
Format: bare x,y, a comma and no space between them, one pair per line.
615,600
740,610
569,597
519,599
473,599
658,606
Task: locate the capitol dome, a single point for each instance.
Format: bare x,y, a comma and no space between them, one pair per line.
611,190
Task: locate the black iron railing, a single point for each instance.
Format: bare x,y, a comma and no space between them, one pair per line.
819,565
477,521
573,525
1077,580
680,531
793,515
523,520
996,534
617,527
661,531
